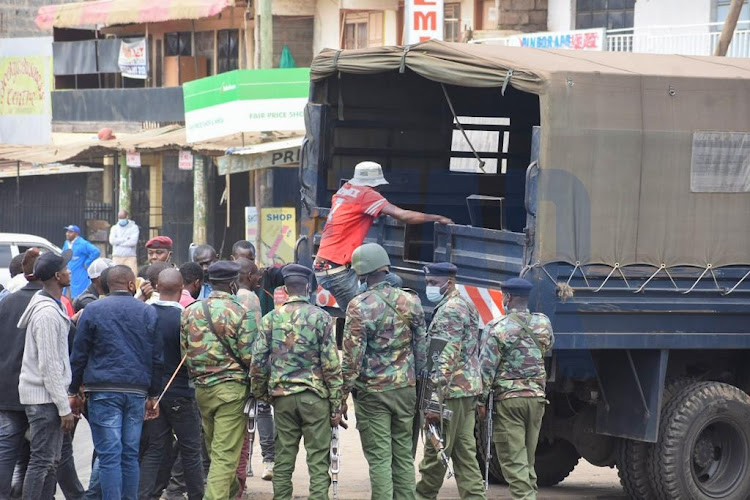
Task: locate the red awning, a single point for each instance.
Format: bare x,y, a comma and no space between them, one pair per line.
112,12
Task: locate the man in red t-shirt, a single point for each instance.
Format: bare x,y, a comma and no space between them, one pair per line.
353,210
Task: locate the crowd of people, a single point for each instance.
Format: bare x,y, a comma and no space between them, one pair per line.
167,363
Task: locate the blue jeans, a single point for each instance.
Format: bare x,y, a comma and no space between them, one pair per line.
344,285
116,419
46,445
13,425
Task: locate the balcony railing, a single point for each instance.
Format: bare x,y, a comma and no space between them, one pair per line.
690,40
159,105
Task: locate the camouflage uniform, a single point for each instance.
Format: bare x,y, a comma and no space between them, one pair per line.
382,353
221,383
295,363
458,381
512,366
250,302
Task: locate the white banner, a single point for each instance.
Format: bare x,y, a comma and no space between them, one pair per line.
25,84
132,60
423,20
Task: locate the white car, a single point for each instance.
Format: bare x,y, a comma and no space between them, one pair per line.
11,244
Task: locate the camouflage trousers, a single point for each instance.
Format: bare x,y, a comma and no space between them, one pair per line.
297,415
384,421
517,422
224,429
461,448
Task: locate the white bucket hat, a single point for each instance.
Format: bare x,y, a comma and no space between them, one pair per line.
368,173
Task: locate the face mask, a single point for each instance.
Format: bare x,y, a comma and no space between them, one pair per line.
434,294
122,222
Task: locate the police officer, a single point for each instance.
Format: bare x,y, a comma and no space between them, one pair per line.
217,334
512,366
457,380
384,347
296,366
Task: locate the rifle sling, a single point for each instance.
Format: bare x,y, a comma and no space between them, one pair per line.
221,339
525,327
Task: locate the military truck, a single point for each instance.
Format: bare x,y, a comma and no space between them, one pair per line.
619,185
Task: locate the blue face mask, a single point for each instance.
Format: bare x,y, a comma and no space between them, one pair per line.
122,222
433,294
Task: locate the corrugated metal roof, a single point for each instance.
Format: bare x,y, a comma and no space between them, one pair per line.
112,12
27,170
169,138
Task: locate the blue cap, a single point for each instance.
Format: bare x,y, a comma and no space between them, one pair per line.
441,269
517,286
73,228
291,270
223,270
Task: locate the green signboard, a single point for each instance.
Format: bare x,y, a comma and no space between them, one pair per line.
246,101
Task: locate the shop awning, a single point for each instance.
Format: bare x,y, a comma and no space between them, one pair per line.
112,12
283,153
9,171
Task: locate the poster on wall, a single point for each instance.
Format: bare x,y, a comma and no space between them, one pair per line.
278,234
25,84
185,160
251,225
132,60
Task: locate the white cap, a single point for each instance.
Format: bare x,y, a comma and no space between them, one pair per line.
98,266
368,173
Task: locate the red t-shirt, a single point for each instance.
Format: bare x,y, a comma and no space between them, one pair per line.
353,210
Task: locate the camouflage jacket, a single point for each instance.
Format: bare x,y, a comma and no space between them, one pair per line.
250,302
512,363
457,374
208,362
383,350
296,351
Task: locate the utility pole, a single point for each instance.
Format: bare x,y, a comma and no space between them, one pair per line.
266,34
729,26
264,177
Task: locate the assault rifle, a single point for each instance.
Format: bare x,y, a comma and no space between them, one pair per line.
437,442
488,448
335,461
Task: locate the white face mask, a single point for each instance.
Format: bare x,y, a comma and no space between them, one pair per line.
434,294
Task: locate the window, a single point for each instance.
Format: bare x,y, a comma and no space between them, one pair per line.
5,255
452,22
722,9
355,31
720,162
178,44
228,50
490,138
204,47
610,14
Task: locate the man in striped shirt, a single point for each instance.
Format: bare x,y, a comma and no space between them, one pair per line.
354,208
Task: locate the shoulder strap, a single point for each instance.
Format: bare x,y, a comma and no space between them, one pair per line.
221,339
525,327
388,303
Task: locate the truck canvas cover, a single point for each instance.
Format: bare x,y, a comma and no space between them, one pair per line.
645,159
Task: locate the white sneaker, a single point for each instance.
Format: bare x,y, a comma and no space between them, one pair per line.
267,471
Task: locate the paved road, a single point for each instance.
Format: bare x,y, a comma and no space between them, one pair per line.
586,481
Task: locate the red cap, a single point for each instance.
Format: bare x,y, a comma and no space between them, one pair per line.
106,134
160,242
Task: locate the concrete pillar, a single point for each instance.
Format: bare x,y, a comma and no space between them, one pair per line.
107,181
124,197
200,200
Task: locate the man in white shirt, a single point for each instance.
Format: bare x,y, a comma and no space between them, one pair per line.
123,237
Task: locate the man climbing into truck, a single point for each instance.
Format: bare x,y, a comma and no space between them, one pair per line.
354,208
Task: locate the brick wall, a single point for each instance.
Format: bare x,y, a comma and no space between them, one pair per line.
523,15
17,18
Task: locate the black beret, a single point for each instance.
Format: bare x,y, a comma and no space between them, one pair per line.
517,286
296,270
223,270
441,269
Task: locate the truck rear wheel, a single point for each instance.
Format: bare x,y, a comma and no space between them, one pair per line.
633,469
703,451
554,460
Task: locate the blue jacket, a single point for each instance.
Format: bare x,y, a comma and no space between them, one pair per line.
117,348
84,253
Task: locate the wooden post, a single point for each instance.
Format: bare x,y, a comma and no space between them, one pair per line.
200,197
729,26
266,34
